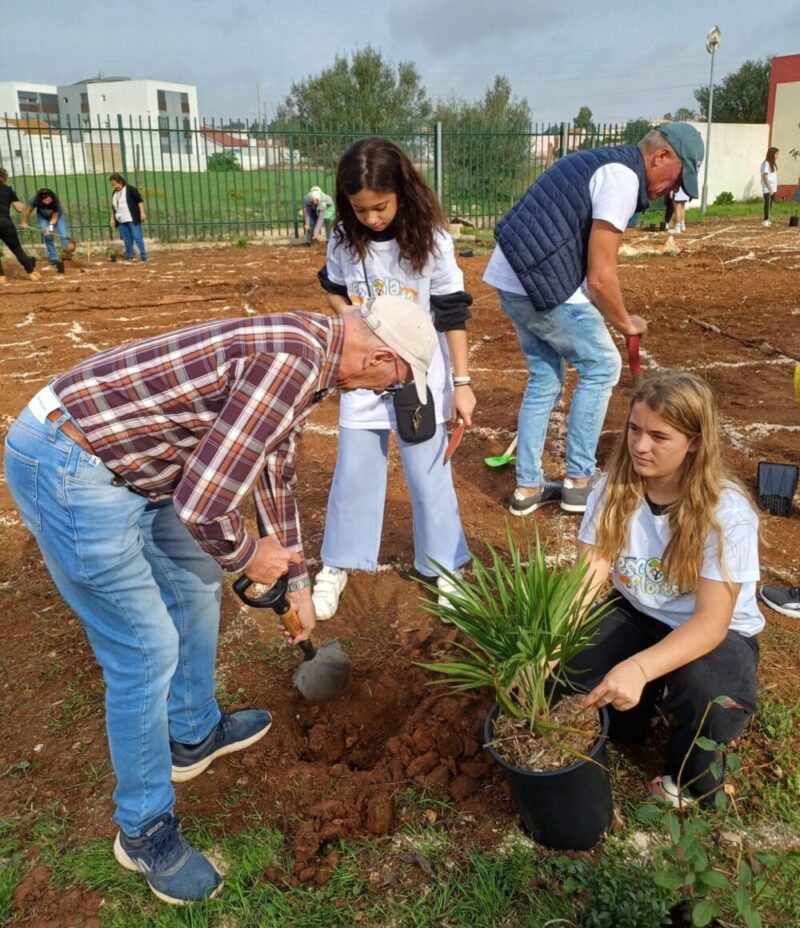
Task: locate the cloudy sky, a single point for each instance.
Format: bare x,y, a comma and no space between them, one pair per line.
622,58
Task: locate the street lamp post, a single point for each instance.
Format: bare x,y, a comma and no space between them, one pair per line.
712,44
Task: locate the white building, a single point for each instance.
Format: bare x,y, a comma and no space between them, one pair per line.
133,125
24,100
32,146
251,154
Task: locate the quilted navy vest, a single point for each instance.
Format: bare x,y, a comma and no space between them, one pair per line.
545,235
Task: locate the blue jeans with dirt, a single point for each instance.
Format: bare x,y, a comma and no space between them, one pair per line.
573,333
131,232
148,598
49,237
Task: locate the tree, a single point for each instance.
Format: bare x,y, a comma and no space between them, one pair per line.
223,161
684,114
742,95
364,94
584,120
486,148
635,130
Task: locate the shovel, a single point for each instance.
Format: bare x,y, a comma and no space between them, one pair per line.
634,360
507,457
323,673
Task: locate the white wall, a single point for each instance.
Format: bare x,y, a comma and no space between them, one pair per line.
40,154
737,151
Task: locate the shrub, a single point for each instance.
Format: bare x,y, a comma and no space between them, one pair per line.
724,199
223,161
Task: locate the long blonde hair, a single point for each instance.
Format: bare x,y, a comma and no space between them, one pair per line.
684,402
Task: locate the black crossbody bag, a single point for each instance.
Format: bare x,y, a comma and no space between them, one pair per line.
415,422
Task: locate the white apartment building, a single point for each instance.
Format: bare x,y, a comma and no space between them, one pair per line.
132,125
25,100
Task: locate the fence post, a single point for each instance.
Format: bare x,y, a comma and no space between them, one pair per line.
122,153
438,157
292,191
564,139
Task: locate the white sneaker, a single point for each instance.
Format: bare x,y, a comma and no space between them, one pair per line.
444,585
677,228
328,586
766,223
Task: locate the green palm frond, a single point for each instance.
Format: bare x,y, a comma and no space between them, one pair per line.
524,622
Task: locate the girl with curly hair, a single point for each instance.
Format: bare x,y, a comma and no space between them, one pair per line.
391,238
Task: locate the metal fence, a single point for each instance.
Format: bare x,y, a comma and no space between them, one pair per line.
231,180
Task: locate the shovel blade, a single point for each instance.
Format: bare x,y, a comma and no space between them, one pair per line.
499,460
325,675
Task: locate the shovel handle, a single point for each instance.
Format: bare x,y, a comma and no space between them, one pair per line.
512,447
634,360
275,598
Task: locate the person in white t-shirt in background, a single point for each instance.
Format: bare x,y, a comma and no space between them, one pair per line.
555,271
680,538
680,198
769,183
392,239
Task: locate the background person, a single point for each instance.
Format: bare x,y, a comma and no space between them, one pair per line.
680,198
555,271
128,214
392,238
8,231
318,210
680,538
769,183
52,222
131,475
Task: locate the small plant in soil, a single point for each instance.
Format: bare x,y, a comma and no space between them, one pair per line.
687,868
525,621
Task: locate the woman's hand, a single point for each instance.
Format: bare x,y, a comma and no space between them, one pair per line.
464,403
621,687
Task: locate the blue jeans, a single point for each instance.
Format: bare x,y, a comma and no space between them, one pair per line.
49,243
573,332
146,594
354,522
131,232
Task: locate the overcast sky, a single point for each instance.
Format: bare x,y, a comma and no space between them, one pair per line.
621,58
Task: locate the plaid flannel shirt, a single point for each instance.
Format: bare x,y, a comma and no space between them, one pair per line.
207,415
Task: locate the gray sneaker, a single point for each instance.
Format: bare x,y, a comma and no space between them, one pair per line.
783,599
574,499
549,492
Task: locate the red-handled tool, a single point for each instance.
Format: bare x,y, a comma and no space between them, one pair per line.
455,440
634,360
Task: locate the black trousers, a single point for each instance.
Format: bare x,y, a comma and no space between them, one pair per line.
9,237
729,670
769,199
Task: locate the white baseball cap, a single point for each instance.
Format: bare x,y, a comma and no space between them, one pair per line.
406,328
315,194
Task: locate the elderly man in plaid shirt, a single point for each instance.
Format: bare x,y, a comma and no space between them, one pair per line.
130,471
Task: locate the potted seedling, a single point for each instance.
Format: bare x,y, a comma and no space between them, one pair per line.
524,622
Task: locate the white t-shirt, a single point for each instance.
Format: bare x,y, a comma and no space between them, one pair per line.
637,572
771,185
120,202
362,409
614,191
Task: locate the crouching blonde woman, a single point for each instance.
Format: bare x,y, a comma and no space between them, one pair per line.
679,537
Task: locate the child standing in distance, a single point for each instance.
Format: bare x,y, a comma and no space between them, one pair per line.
391,239
769,183
681,540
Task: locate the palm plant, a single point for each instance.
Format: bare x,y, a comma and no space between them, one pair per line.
525,622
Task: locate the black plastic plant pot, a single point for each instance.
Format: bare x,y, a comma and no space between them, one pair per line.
777,484
566,809
794,220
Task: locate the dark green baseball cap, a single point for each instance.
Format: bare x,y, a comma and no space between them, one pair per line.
687,144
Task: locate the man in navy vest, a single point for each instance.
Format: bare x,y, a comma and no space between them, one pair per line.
555,271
